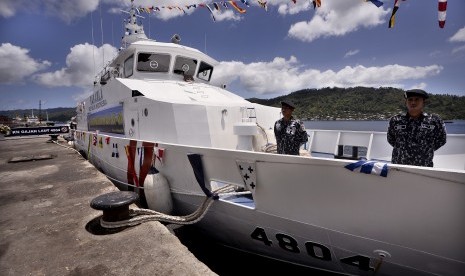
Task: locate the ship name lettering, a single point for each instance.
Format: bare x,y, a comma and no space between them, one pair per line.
97,105
96,97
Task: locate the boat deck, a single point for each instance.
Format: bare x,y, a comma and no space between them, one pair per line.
243,200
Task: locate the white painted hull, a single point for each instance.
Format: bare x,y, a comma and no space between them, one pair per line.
157,102
315,212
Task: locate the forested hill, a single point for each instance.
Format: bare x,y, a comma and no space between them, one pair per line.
358,103
363,103
59,114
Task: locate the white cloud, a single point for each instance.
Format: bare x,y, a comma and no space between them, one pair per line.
16,64
80,69
81,96
67,10
458,49
282,76
285,7
8,8
459,36
337,18
435,54
227,15
420,85
351,53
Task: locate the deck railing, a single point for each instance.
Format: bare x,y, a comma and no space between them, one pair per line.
374,146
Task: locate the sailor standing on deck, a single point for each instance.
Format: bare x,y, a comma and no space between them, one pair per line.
289,132
415,135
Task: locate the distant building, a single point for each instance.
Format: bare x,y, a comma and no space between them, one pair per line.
5,120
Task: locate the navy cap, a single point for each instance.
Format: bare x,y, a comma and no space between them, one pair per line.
288,103
416,92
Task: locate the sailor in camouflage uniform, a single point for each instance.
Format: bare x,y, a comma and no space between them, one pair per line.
289,132
415,135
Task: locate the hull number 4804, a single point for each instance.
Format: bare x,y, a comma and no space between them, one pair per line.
313,249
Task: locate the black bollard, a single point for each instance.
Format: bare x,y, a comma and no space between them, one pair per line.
115,205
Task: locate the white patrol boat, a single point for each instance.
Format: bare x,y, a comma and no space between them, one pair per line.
155,125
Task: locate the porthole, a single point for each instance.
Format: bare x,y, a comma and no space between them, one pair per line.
133,122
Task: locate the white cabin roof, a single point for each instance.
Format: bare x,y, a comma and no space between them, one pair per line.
184,93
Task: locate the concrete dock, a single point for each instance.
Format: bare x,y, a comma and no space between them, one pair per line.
47,226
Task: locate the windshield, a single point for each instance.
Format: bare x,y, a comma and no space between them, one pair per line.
151,62
205,71
185,66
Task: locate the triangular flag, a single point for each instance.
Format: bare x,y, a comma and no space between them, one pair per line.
233,3
392,20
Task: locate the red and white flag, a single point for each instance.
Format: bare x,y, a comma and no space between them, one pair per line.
158,154
442,7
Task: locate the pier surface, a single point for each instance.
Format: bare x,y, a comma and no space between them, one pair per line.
45,220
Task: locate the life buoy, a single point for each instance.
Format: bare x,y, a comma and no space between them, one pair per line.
157,193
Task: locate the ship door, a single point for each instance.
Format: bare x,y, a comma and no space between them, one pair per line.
132,123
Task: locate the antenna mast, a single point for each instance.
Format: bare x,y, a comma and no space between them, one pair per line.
40,111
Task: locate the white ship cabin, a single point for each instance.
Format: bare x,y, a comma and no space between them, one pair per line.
148,60
161,92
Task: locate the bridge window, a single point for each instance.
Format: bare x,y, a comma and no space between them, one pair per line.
185,66
205,71
128,66
150,62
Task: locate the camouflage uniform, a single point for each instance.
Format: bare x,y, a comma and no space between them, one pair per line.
289,135
415,140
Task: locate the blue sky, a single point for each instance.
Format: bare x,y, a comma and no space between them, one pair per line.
51,49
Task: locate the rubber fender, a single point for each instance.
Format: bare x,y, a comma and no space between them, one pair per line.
157,193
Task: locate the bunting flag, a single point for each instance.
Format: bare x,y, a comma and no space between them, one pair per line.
88,146
233,3
263,4
216,5
115,152
369,167
158,154
211,11
245,3
392,21
376,3
442,7
146,164
248,173
131,156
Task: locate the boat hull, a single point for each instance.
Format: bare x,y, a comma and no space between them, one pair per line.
308,211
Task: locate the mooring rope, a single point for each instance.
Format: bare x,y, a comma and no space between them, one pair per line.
139,216
56,142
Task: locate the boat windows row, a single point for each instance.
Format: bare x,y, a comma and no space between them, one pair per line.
160,63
